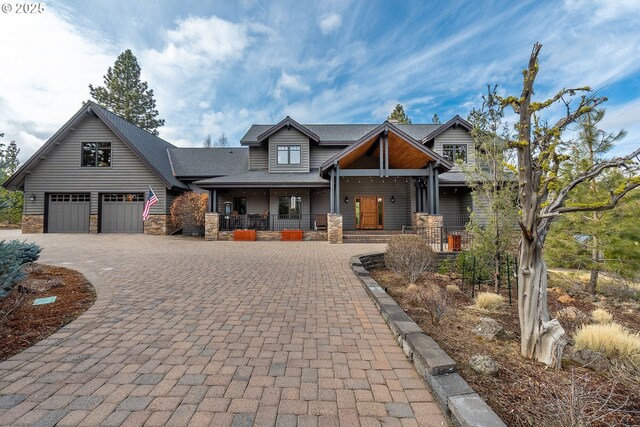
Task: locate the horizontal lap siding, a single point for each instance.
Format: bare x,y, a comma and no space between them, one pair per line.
288,137
395,214
61,172
320,154
258,158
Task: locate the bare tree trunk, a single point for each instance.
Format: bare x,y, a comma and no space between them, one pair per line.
496,259
542,338
593,281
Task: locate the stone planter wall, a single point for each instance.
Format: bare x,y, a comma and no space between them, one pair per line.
456,398
32,224
156,224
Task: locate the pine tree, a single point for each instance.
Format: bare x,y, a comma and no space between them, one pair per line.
435,119
399,115
493,185
588,240
126,95
10,201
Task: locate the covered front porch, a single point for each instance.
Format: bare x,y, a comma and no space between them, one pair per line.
381,182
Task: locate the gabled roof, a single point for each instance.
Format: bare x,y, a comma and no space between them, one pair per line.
288,122
150,149
264,178
341,134
453,123
443,163
207,162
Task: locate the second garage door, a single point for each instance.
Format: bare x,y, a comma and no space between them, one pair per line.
122,213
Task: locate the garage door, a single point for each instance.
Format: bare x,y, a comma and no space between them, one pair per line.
122,213
68,213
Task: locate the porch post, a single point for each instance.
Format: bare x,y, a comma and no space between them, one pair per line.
337,208
381,150
386,153
430,187
213,200
436,191
331,191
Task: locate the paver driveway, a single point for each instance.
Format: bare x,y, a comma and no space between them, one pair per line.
214,333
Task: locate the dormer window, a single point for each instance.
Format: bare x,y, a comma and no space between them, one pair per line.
456,153
288,154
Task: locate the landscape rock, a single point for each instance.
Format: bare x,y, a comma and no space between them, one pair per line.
565,299
573,314
41,285
490,329
483,364
591,359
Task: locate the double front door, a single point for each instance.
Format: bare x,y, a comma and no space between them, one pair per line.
369,212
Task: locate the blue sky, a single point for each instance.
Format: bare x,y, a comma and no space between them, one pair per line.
220,66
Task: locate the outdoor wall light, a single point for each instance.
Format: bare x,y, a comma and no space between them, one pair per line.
346,199
393,199
33,197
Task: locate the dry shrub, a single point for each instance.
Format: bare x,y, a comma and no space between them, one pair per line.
612,339
453,289
188,210
601,316
489,301
582,401
432,299
410,256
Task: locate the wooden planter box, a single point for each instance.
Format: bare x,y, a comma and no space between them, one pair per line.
455,242
244,235
287,235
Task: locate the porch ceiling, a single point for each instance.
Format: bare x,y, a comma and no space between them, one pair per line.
402,155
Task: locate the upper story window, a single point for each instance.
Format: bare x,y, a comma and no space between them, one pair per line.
96,154
455,152
288,154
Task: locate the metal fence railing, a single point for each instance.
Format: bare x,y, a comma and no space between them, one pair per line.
443,239
260,222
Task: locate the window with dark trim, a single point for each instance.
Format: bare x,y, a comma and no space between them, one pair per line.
289,154
455,152
96,154
290,206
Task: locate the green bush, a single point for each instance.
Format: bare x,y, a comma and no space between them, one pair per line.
13,255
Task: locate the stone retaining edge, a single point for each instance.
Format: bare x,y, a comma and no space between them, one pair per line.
453,394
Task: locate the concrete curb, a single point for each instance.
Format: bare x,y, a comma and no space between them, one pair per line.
456,398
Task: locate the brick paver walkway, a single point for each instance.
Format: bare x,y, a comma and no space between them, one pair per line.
187,332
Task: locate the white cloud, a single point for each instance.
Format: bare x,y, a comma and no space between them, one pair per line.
331,22
291,83
48,65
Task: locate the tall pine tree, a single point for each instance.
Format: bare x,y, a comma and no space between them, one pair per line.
399,115
126,95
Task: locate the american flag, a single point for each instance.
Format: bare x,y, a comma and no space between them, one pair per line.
151,200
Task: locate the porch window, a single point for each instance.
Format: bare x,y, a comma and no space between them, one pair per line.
455,152
289,154
240,205
290,206
96,154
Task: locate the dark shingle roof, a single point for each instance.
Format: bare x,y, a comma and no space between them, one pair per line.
347,133
262,178
206,162
452,177
151,148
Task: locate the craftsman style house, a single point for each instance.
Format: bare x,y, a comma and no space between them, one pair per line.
92,176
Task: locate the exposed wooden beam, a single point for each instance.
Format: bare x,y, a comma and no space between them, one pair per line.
391,172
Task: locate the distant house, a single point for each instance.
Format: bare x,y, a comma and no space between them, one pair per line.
92,175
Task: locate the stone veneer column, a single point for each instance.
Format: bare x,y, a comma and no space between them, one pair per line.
428,224
156,224
334,228
93,224
32,224
211,225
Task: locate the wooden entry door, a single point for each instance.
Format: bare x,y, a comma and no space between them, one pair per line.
370,215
